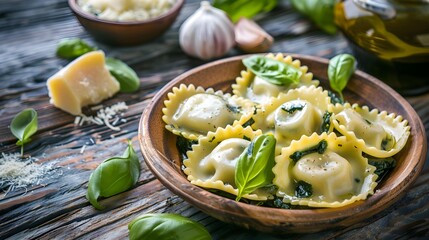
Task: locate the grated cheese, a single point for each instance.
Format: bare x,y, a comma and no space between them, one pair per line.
17,172
83,149
104,116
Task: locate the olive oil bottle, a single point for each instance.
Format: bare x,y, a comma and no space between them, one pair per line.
390,39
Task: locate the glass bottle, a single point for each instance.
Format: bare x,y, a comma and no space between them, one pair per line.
390,39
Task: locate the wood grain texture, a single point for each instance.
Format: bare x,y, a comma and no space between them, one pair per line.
57,209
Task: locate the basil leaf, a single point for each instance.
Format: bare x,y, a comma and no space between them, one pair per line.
273,71
113,176
244,8
321,12
254,166
70,48
166,226
23,126
340,69
127,78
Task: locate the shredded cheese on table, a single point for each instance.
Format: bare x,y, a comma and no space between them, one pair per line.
17,172
105,116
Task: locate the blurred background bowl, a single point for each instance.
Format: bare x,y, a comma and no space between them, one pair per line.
128,33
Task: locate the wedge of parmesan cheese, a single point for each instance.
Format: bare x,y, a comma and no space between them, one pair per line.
85,81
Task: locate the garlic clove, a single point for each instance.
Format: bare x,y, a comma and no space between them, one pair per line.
207,34
250,37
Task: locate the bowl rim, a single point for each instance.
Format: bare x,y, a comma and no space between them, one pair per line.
90,17
298,217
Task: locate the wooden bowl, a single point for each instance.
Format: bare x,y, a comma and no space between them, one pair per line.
160,153
126,33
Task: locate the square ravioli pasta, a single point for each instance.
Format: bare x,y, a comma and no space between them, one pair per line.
322,148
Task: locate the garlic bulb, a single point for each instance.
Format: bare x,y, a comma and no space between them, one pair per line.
207,34
250,37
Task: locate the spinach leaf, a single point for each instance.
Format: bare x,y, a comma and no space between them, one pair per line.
71,48
334,98
326,122
244,8
291,108
303,189
383,166
249,122
127,78
184,145
23,126
319,148
321,12
253,168
273,71
113,176
166,226
340,69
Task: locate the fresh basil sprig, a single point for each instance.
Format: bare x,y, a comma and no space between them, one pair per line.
244,8
70,48
166,226
321,12
127,78
340,69
23,126
273,71
254,166
113,176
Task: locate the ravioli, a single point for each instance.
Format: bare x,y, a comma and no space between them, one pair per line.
377,133
192,112
332,175
260,91
211,163
294,114
321,148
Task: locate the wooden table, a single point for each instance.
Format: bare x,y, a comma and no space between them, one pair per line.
56,208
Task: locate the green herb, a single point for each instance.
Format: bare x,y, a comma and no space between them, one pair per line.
166,226
278,203
23,126
388,142
273,71
184,145
247,138
253,169
291,108
340,69
383,166
113,176
249,122
334,98
71,48
244,8
303,189
326,122
127,78
321,12
319,148
233,109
